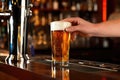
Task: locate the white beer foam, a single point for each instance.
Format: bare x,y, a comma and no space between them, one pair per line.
59,25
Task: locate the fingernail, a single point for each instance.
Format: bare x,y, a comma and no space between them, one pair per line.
66,29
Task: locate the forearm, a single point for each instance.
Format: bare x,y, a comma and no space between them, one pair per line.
107,29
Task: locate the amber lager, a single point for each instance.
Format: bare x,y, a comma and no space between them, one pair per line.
60,41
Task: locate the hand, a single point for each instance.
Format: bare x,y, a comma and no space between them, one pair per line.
80,25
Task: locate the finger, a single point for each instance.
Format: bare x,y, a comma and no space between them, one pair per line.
72,29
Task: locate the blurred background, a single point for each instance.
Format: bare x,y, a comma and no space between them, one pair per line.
44,11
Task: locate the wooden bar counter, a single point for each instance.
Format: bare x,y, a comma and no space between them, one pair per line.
42,69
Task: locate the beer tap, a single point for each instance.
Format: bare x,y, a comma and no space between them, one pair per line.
18,28
23,45
13,30
25,13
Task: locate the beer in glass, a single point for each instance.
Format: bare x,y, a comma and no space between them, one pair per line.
60,42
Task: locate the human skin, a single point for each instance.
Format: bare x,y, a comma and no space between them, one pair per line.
104,29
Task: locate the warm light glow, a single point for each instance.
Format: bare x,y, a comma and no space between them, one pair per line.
104,7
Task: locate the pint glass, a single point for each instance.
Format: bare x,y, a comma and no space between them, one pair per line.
60,42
